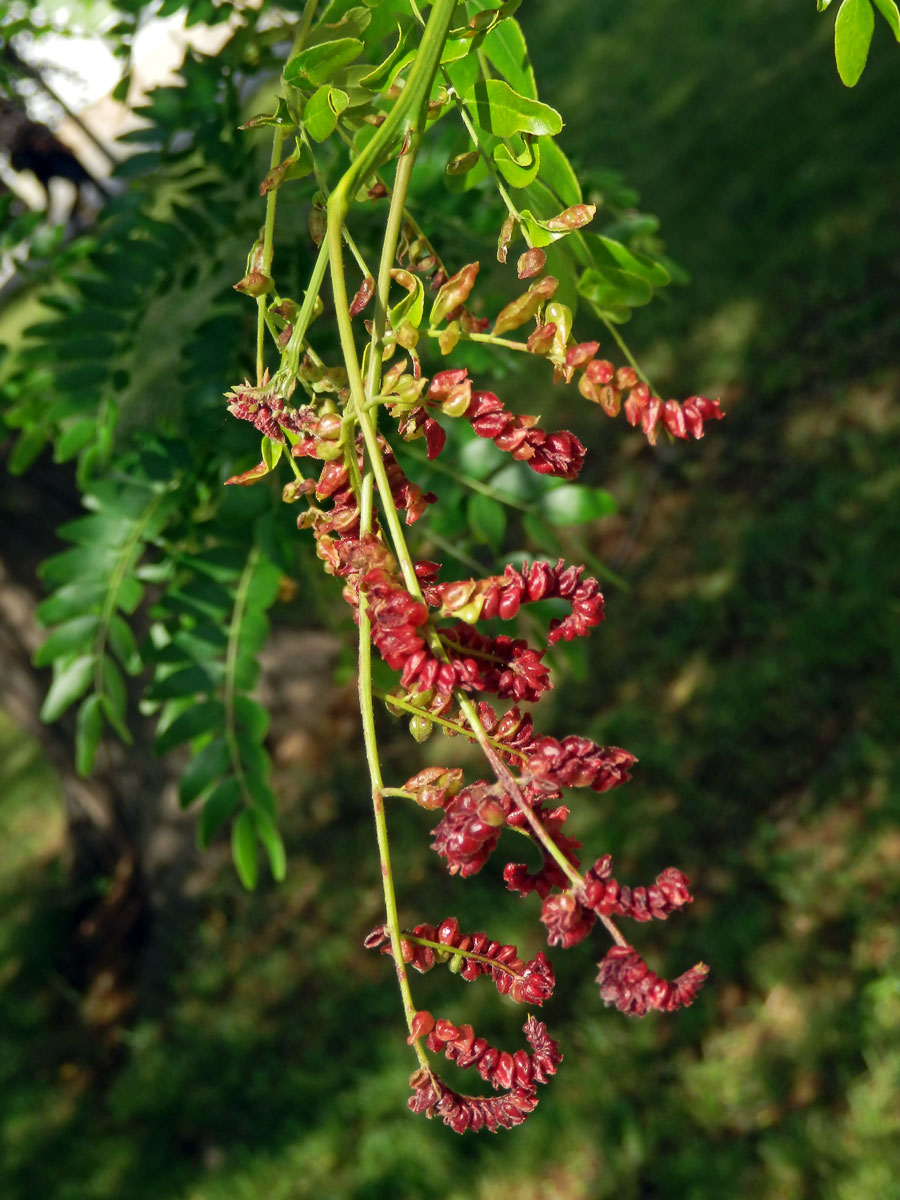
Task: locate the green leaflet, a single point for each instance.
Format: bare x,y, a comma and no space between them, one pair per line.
71,679
321,113
506,51
518,168
575,504
243,849
487,519
211,625
95,585
497,108
318,64
852,35
891,13
609,288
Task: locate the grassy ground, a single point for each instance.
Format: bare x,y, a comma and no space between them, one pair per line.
752,667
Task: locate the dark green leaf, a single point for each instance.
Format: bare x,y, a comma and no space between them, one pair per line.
487,519
218,807
77,634
574,504
202,771
27,449
199,718
108,527
71,679
72,600
115,698
243,849
620,256
123,644
88,730
187,681
608,288
264,583
251,716
81,561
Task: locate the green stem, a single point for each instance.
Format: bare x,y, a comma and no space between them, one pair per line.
378,790
290,358
507,343
402,178
623,346
455,727
455,951
306,20
231,658
267,252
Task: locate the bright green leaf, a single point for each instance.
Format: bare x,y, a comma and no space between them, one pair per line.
521,168
496,108
412,307
317,64
271,452
852,35
322,111
243,849
556,173
271,840
71,680
505,49
891,14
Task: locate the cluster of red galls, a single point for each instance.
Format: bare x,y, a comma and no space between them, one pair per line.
438,660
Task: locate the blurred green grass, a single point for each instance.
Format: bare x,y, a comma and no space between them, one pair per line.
752,667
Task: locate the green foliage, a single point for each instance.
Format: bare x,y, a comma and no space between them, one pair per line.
853,31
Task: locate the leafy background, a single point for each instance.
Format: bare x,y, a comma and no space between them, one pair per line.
750,663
